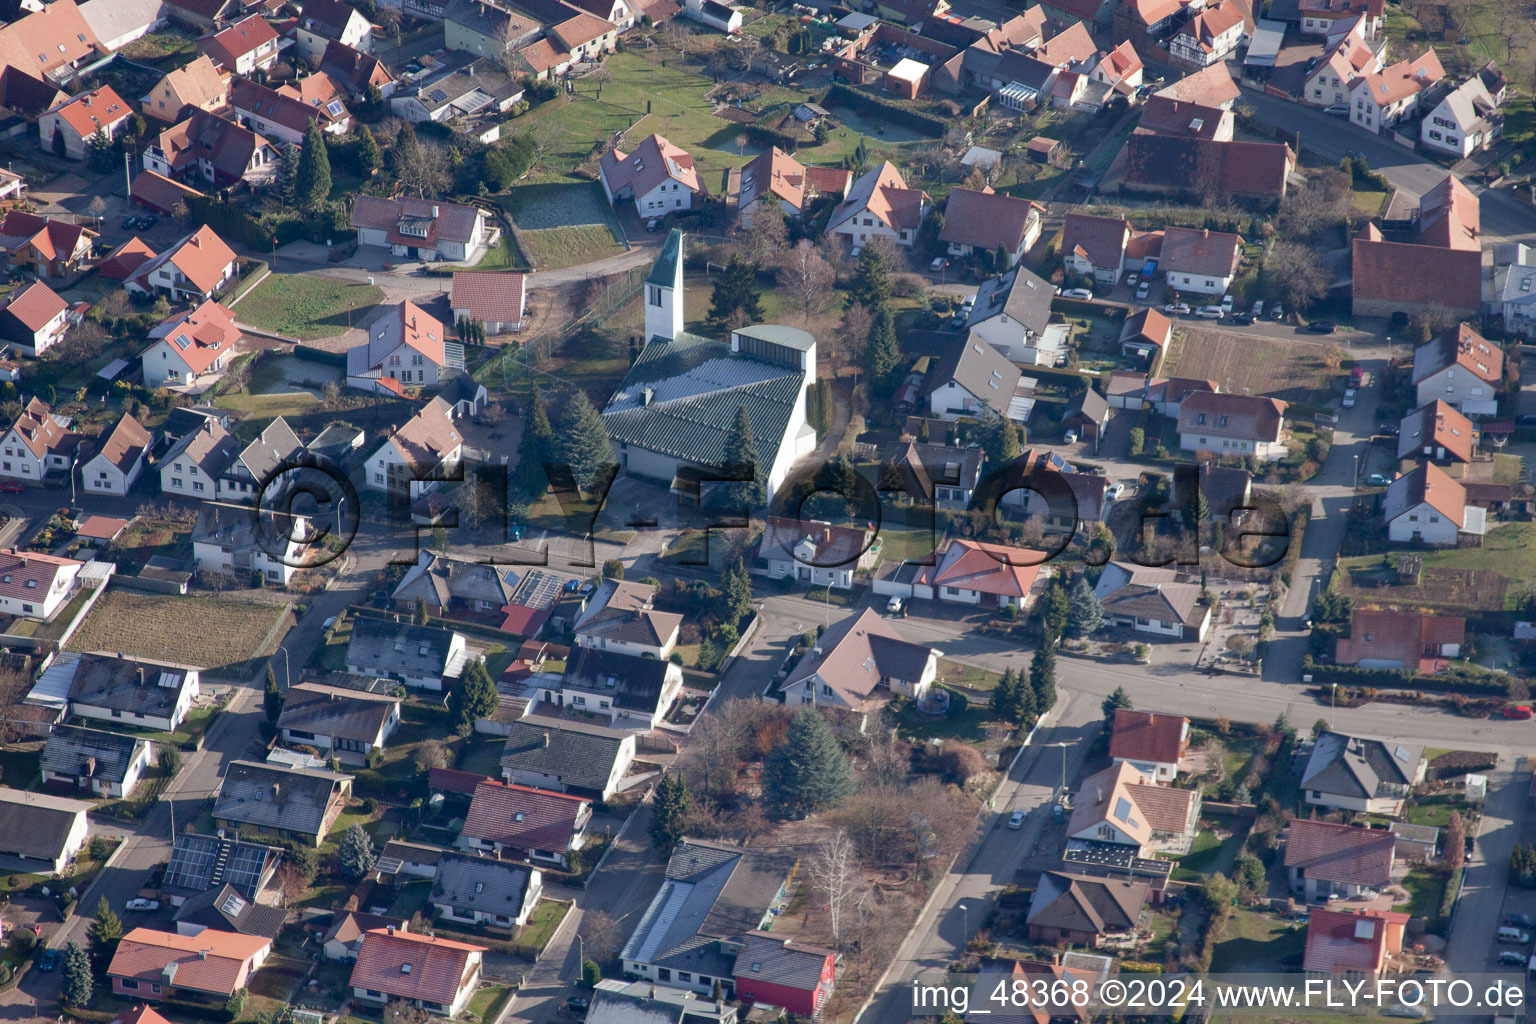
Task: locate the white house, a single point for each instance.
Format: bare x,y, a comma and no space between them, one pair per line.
1095,245
1200,260
971,377
425,230
658,176
1153,601
1378,102
879,205
620,618
406,346
1460,368
1238,425
1211,36
98,113
1012,314
436,974
247,46
192,270
33,319
1428,506
1511,296
475,889
423,657
34,585
38,443
719,15
1151,742
1464,121
191,469
857,664
1348,58
815,553
981,222
567,755
41,829
118,459
107,764
321,21
348,725
1122,806
120,691
190,344
1354,774
419,456
631,691
243,543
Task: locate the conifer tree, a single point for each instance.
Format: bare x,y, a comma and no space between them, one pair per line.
1084,612
313,187
1042,674
669,811
534,448
735,298
809,771
473,698
741,458
583,442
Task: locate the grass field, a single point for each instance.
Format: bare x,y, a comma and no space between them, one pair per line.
563,224
1257,942
557,248
295,403
546,917
1425,891
1244,364
208,632
307,306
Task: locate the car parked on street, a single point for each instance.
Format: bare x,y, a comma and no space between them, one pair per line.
1242,319
1379,480
1519,920
1349,399
1016,820
1144,290
1209,313
1277,311
12,487
142,904
49,960
1520,712
1322,327
1177,308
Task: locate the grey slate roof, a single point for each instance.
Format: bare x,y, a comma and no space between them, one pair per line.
642,1002
210,447
664,270
122,684
1086,904
634,684
225,909
444,578
1088,403
276,445
270,796
37,824
69,747
781,960
1022,294
980,369
396,648
942,465
336,711
696,386
580,756
465,882
1353,767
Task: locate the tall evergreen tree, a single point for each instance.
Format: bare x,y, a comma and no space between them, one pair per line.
369,158
1003,696
78,982
1117,701
1054,609
355,852
534,448
1042,675
999,438
473,698
105,931
1084,612
736,590
883,353
288,175
1026,705
271,696
741,457
669,811
871,286
583,442
735,298
314,182
808,771
420,618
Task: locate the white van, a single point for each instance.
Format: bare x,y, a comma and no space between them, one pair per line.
1508,934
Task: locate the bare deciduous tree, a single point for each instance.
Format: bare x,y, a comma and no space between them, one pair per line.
853,333
291,885
710,759
747,50
678,36
1296,273
599,935
836,876
806,276
765,241
423,170
1323,202
477,500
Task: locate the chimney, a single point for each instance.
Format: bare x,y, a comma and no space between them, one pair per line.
434,211
202,954
390,929
275,789
90,766
546,739
141,675
646,394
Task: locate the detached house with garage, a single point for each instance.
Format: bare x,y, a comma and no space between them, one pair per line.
1012,315
1236,425
657,177
423,657
477,889
406,347
103,763
879,204
348,725
121,691
1353,774
212,964
567,756
34,585
40,829
1120,805
1401,640
497,301
419,456
1466,120
775,177
190,344
815,553
423,230
945,475
857,664
70,126
37,444
1153,601
633,692
117,459
1082,910
1095,245
523,821
45,247
620,617
1460,368
971,572
981,223
438,975
1150,742
1201,261
1324,858
1428,506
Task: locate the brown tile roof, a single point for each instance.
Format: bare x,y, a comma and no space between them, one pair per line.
48,39
245,36
1399,272
200,336
315,89
202,257
1148,736
281,108
776,173
1435,425
1205,27
1149,326
35,305
1400,80
353,68
1459,346
1247,417
90,112
1070,46
653,161
1428,485
446,221
1449,216
427,438
1150,12
626,615
210,961
54,239
24,575
228,146
161,193
1164,115
525,817
1083,903
1152,808
828,181
1340,853
1182,162
198,83
349,926
1414,640
986,219
437,966
883,193
986,568
857,652
125,444
1201,251
1352,941
41,433
580,29
1212,87
489,296
1100,239
140,1015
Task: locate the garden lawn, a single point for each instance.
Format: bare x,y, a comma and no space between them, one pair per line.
968,675
307,306
487,1002
1255,943
1434,811
546,917
1508,549
291,404
557,248
969,726
1207,854
160,626
1425,891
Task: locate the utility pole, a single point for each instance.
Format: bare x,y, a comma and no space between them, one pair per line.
128,175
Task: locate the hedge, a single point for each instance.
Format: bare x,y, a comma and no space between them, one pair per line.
1448,899
762,135
897,113
1483,684
1087,307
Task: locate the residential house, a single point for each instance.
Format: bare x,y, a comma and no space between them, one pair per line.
1165,395
1201,261
438,975
116,23
1151,742
1087,413
265,545
1238,425
977,223
716,14
423,657
857,664
1083,911
879,204
150,964
220,151
243,48
27,96
197,85
192,270
1210,87
45,247
972,572
944,475
712,895
475,90
121,263
535,824
102,763
584,36
1324,858
971,376
1018,81
1460,368
322,22
39,443
620,617
419,456
447,585
634,692
1153,601
33,318
35,585
1380,101
567,756
617,1000
624,15
119,691
348,927
657,176
1120,805
1145,23
1212,35
1012,314
1320,17
1095,245
191,469
815,553
476,889
290,803
1439,265
52,41
1354,774
1226,490
1436,432
423,230
496,301
682,381
1351,57
356,71
118,458
1043,486
283,118
487,29
1257,173
189,344
88,119
1401,640
406,346
774,178
1357,941
200,15
348,725
1145,335
775,970
1427,506
202,863
223,909
40,829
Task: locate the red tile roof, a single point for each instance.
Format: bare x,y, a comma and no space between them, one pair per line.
985,568
524,817
1340,853
92,111
488,296
141,1015
1449,216
26,574
1414,640
210,961
125,445
1416,275
1340,941
1148,736
450,781
160,194
35,305
200,336
1246,417
122,262
437,967
41,433
1212,87
1203,251
653,161
243,37
1070,46
1435,425
1101,240
427,438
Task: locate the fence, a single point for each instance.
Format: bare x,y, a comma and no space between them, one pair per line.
519,363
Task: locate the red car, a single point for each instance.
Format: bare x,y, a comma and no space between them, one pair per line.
1518,711
11,487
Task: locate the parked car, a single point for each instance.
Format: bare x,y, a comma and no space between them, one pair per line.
581,1004
1258,308
12,487
1070,437
1226,303
1144,290
1337,110
1322,327
1277,311
1356,376
1519,920
1131,278
49,960
1510,956
652,224
1349,398
1209,313
1114,491
142,904
1242,319
1520,712
1016,819
894,604
150,221
1379,480
129,223
1079,293
1177,308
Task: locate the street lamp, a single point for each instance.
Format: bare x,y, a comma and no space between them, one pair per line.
1356,485
828,619
74,460
1333,695
287,671
1063,745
